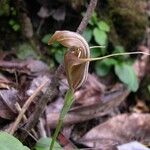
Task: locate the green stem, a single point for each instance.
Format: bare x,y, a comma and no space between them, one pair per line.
58,127
92,47
111,55
67,104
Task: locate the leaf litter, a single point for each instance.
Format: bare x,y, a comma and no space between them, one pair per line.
96,105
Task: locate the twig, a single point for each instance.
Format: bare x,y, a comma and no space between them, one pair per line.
12,65
25,119
41,128
19,110
52,90
25,107
39,108
87,16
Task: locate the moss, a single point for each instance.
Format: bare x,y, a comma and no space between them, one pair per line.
129,21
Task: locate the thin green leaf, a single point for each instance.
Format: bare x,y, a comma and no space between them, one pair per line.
67,104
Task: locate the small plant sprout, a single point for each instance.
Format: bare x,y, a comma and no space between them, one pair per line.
76,63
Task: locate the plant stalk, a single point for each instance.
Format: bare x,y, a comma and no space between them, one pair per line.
67,104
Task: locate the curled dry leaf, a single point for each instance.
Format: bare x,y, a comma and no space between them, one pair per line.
76,70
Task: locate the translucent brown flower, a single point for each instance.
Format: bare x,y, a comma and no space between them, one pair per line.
76,69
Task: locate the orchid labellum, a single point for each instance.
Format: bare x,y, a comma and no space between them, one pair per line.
76,59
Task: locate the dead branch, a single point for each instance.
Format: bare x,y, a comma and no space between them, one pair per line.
87,16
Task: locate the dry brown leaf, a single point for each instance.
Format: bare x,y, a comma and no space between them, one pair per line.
100,108
8,98
118,130
4,82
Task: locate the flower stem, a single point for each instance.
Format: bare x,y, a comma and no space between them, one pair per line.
67,104
92,47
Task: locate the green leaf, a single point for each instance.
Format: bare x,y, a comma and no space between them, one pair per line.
127,75
13,11
119,49
46,38
67,103
100,36
44,144
16,27
93,19
103,67
148,88
95,52
25,51
59,55
103,26
87,34
12,22
55,45
8,142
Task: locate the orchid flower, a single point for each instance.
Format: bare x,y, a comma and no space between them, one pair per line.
77,58
76,63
